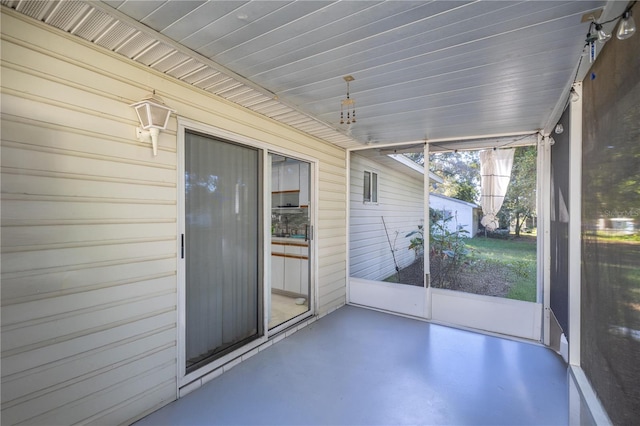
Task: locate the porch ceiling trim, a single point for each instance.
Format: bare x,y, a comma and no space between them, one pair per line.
109,28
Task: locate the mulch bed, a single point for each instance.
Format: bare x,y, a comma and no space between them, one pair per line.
478,278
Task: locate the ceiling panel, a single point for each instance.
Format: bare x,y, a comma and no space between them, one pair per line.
262,28
279,42
169,12
249,14
422,69
138,10
186,26
350,36
376,63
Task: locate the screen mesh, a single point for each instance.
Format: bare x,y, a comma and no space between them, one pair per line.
610,337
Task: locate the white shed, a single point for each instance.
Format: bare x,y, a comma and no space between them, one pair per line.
463,213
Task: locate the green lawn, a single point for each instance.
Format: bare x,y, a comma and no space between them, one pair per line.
519,255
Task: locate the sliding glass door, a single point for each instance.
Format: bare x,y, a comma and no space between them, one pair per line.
289,293
222,247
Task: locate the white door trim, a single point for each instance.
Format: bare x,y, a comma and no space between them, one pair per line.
185,382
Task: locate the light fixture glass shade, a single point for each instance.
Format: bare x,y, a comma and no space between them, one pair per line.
574,95
153,115
602,35
153,112
626,27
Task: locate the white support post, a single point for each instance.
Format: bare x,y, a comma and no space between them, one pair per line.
347,162
544,235
575,224
540,223
427,270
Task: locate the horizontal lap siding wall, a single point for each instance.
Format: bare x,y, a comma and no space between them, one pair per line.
89,228
400,202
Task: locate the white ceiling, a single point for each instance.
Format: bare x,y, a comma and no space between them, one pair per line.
434,70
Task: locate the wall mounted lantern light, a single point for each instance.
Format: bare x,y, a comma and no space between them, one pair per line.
154,116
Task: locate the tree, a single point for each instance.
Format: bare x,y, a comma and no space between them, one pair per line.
459,170
520,201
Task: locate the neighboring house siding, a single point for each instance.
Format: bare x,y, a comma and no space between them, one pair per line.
400,202
463,213
89,227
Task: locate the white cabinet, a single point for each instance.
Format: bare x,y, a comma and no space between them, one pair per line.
291,177
304,184
294,268
292,275
290,268
277,266
304,277
275,178
296,277
285,176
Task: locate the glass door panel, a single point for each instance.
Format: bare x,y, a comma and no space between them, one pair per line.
483,272
387,233
222,247
464,255
290,292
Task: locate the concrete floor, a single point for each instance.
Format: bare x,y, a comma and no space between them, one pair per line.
362,367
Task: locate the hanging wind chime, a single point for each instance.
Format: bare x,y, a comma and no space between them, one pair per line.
348,104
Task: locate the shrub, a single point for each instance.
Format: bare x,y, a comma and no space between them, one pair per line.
500,234
448,250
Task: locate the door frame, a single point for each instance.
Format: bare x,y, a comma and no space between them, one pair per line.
484,313
400,299
184,124
313,249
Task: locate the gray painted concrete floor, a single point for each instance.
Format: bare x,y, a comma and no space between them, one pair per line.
362,367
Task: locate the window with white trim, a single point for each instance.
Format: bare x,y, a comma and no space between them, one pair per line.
370,194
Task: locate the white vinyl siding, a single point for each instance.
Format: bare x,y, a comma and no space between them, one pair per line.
89,240
400,202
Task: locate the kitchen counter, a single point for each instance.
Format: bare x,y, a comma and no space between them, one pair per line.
289,241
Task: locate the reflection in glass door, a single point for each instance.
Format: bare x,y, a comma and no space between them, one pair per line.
290,292
222,247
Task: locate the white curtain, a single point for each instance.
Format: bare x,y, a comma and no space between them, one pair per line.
495,171
222,245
